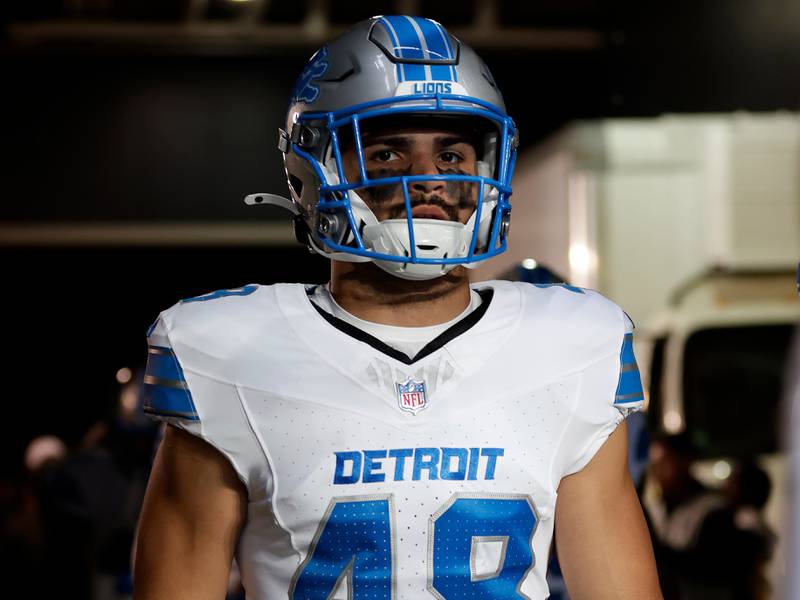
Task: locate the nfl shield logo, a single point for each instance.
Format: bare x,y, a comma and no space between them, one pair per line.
411,396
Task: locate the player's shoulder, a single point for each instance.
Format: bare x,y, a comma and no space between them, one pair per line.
222,310
219,304
561,302
579,319
218,322
198,353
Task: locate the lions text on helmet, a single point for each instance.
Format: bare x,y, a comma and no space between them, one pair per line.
359,112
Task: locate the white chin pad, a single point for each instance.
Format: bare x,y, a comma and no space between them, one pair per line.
432,239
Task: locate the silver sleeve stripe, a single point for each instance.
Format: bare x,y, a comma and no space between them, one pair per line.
629,397
170,383
159,350
171,413
628,367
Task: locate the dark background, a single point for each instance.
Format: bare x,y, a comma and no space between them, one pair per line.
100,125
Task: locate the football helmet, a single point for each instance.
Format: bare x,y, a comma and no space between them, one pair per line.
395,70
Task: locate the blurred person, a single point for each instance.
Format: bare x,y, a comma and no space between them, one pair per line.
20,539
90,503
747,492
44,450
22,548
682,501
398,432
709,544
676,512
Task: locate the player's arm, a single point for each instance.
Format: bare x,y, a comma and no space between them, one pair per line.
603,543
192,515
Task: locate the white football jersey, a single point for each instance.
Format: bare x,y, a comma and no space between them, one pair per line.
372,475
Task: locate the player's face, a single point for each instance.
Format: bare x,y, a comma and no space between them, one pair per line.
411,151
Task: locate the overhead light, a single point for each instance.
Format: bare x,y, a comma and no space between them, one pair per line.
580,258
529,263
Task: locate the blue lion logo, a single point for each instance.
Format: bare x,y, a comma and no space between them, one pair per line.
304,89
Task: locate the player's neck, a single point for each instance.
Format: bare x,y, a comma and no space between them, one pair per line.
367,292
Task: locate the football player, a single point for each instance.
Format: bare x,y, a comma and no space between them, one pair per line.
399,432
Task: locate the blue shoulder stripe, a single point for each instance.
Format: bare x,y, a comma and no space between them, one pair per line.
566,286
626,357
242,291
629,388
166,392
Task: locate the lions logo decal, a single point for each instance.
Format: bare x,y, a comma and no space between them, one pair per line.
304,89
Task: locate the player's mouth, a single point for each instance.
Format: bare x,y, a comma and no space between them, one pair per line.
429,211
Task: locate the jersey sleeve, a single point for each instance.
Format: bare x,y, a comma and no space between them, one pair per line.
206,407
167,396
610,389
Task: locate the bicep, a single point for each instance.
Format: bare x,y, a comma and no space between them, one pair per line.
192,514
603,544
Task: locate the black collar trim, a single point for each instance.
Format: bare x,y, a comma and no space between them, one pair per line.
440,340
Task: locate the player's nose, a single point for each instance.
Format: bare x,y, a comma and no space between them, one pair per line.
425,164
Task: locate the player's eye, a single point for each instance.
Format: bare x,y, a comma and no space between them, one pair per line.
450,157
384,155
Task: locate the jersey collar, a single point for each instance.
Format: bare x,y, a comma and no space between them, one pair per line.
439,341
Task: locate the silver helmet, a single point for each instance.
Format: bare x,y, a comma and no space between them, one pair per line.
390,69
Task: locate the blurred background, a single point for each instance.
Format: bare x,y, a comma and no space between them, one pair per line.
659,163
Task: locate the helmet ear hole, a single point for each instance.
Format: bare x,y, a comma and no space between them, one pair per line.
296,184
301,231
